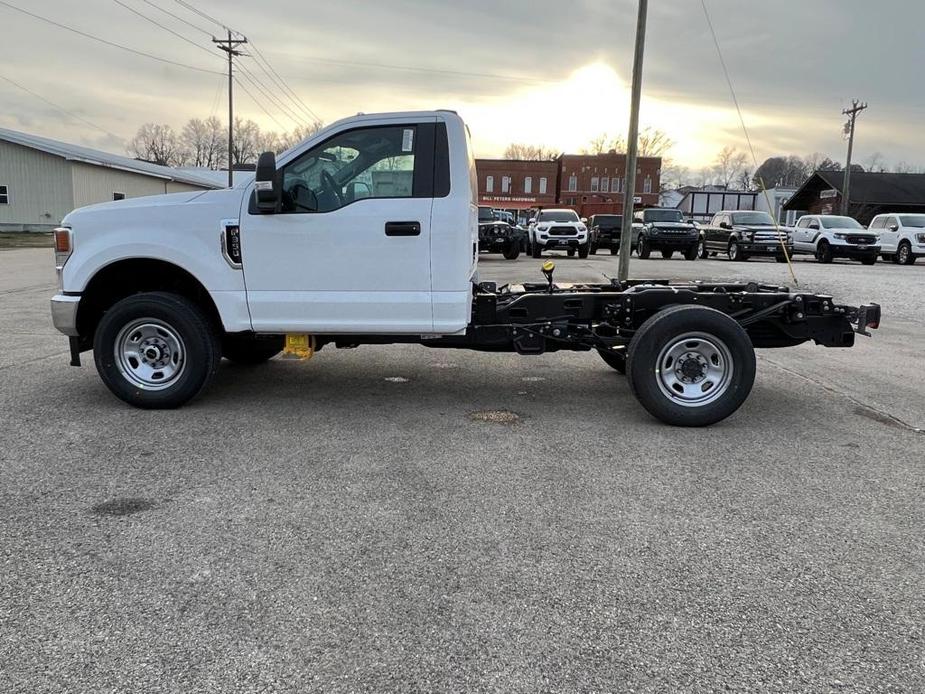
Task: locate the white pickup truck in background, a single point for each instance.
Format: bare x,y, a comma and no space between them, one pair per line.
367,233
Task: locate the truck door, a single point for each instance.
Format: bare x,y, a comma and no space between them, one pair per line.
349,250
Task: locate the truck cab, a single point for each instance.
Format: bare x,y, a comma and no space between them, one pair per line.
902,236
664,230
828,236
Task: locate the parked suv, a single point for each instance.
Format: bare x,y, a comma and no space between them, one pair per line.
608,229
902,236
832,236
561,230
664,230
498,237
741,234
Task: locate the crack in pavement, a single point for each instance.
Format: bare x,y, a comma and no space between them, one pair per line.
862,409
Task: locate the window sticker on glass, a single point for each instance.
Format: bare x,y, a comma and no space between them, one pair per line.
407,142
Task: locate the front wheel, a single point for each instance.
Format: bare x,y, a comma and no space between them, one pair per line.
691,366
702,250
512,251
583,251
537,249
571,252
593,250
691,253
614,249
904,254
156,350
869,261
735,253
667,255
824,252
642,248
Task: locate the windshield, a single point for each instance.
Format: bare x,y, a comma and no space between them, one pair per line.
663,216
833,222
752,218
608,221
485,215
558,216
913,220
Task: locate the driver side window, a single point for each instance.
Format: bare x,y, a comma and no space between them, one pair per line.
376,162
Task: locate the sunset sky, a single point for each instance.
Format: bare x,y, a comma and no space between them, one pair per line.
536,72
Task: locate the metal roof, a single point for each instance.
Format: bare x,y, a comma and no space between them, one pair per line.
867,188
95,157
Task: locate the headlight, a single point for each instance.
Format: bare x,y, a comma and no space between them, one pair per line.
920,238
582,227
542,227
840,237
747,235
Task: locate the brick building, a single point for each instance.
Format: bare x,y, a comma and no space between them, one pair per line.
588,183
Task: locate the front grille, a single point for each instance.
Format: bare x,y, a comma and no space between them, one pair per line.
563,231
768,237
861,240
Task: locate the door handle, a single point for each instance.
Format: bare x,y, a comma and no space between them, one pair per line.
402,228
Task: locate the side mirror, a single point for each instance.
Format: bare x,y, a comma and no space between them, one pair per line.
267,186
584,220
725,225
894,227
814,226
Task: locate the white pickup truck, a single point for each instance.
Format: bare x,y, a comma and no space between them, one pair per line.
367,233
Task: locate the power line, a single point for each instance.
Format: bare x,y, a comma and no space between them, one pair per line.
67,112
295,97
178,18
286,110
165,28
105,41
260,105
197,11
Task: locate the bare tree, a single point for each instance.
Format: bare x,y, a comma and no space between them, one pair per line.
906,167
654,142
875,162
529,152
675,176
245,143
157,143
289,140
730,163
204,143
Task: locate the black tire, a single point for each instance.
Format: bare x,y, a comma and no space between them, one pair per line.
702,249
645,373
734,254
824,252
195,362
593,250
571,252
667,255
537,250
249,350
512,252
780,259
904,254
614,359
614,249
642,248
888,258
870,260
583,251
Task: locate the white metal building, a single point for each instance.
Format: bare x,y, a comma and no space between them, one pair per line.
41,180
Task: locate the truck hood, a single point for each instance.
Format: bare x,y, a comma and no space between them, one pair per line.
223,203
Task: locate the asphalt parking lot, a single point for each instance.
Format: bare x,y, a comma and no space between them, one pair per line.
363,521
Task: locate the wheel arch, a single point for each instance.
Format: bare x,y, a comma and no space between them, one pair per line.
125,277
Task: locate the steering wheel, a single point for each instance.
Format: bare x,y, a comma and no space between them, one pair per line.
331,184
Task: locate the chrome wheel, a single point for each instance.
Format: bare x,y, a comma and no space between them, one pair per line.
150,354
903,254
694,369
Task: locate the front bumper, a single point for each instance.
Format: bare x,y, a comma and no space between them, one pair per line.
769,249
64,313
854,251
671,242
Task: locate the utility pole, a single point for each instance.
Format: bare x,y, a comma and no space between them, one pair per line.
852,113
230,45
632,146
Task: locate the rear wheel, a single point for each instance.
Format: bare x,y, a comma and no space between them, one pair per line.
642,248
156,350
512,251
615,359
249,350
824,252
614,249
691,365
593,250
904,254
667,254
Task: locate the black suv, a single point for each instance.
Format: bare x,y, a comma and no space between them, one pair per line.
498,237
606,230
664,230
